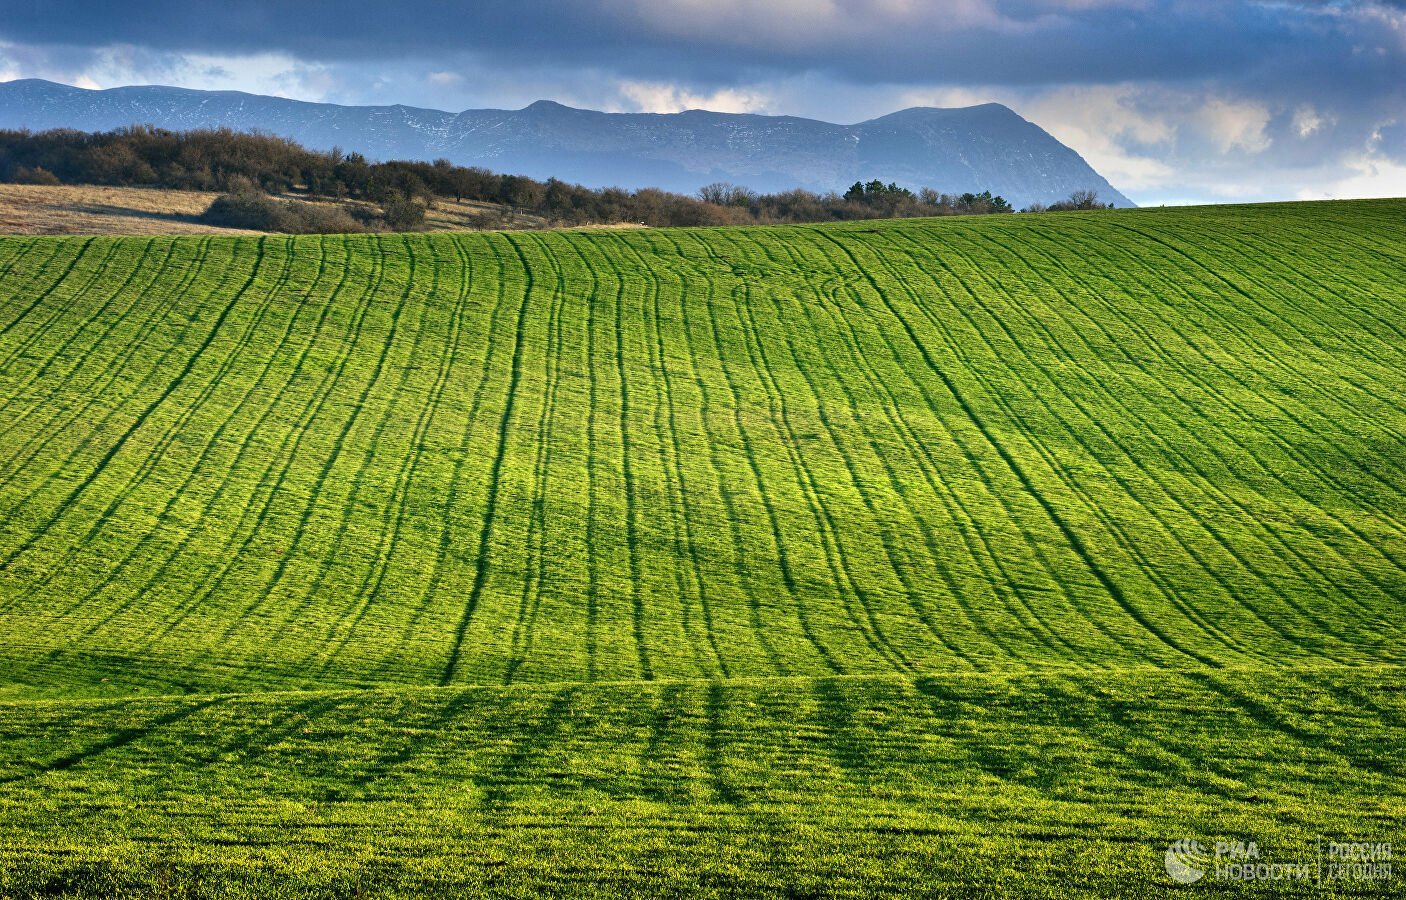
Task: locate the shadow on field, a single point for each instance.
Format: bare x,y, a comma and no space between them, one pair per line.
667,726
109,209
433,730
118,739
844,743
1273,720
717,768
536,741
252,743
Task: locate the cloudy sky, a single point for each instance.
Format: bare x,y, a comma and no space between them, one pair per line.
1173,100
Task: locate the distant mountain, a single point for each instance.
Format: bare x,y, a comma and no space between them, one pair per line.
977,148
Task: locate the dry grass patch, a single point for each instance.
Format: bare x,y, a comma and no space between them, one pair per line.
89,209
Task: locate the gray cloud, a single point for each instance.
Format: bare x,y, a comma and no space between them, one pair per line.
1176,99
968,41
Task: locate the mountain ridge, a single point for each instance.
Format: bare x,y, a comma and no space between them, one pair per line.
983,147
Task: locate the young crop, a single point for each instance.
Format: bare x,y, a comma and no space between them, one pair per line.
755,561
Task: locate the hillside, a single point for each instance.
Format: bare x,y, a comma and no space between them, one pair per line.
27,209
828,561
986,147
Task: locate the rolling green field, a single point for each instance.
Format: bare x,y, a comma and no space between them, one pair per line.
962,557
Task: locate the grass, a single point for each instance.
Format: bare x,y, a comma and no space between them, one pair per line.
973,556
27,209
938,786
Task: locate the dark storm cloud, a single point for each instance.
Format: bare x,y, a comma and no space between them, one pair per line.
329,31
1174,100
968,41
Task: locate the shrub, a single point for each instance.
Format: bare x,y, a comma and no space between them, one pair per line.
1079,200
244,210
36,175
316,218
402,214
260,212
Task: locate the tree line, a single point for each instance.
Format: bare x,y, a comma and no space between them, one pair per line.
249,166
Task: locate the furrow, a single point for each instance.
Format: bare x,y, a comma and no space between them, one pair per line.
312,592
766,494
1009,580
160,575
1150,481
1174,448
839,322
844,579
289,451
668,430
537,562
1080,437
752,589
1211,353
160,449
1071,535
495,472
73,495
44,293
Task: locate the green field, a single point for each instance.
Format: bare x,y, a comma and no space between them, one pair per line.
972,556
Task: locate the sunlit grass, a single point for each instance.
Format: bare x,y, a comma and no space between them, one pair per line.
1099,505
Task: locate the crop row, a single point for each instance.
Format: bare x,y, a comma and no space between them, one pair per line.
1162,437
